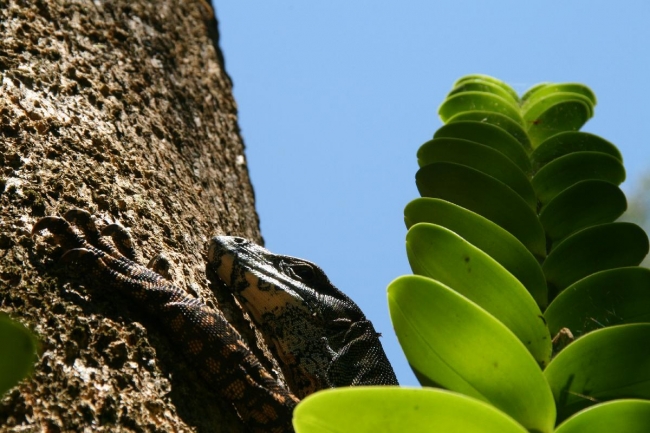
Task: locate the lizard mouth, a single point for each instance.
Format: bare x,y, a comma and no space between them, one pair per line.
221,257
243,268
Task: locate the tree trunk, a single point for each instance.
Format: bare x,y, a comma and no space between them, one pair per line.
122,108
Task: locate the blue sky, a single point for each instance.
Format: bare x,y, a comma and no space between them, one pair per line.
336,97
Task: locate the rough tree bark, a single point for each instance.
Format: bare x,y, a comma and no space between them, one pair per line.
123,108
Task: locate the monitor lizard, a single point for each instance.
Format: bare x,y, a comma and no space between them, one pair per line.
319,336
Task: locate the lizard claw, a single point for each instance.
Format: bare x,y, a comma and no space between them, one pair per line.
84,220
67,238
63,232
160,264
77,255
56,225
121,238
76,215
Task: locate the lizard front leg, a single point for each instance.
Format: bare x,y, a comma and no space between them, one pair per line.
208,341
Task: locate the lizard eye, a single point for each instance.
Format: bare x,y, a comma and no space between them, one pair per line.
302,271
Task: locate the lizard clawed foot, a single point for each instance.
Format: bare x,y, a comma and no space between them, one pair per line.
122,240
121,237
94,250
202,334
214,348
61,229
160,264
83,220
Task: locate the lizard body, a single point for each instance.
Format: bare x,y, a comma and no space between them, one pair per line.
319,335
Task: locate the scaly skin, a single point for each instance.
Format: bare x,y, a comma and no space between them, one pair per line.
208,341
319,336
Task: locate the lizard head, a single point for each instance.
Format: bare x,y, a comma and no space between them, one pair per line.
305,320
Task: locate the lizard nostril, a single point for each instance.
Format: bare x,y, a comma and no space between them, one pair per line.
238,240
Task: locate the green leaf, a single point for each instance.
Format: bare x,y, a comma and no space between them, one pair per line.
594,249
436,252
390,409
471,78
483,86
17,353
487,236
496,119
488,135
456,344
543,90
481,158
537,106
545,121
567,170
606,364
619,416
612,297
570,142
481,101
532,90
486,196
582,205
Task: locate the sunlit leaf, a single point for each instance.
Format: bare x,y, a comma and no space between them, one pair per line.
562,116
504,122
487,236
618,416
454,343
536,106
439,253
486,78
543,90
469,101
482,86
396,410
610,363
